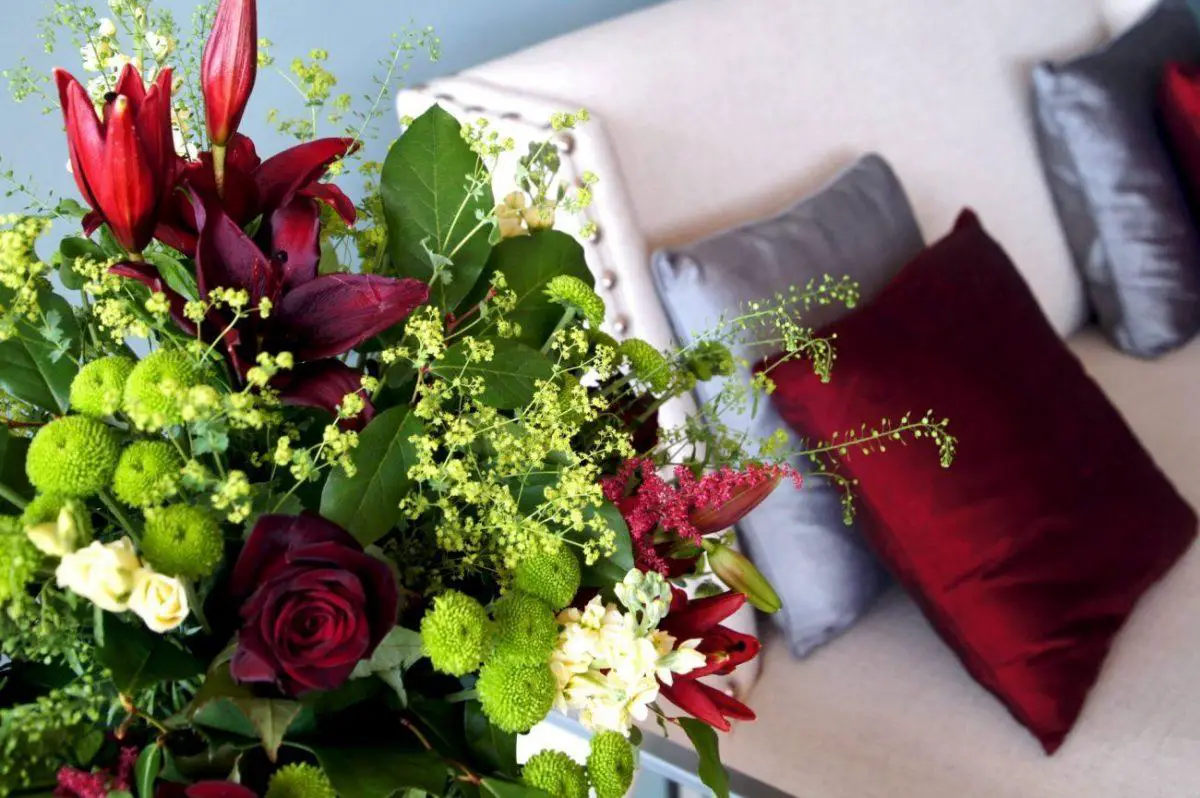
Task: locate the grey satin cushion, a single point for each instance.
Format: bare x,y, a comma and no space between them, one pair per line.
861,226
1121,202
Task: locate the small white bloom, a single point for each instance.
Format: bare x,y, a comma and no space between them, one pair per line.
101,573
57,538
160,45
160,601
108,28
116,62
91,59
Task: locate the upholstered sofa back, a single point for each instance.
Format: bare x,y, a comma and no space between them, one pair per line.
713,112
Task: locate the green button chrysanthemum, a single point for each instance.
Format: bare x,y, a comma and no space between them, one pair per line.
156,387
300,781
516,697
610,765
21,562
574,293
455,633
648,364
553,577
73,457
183,541
148,474
556,773
99,387
525,629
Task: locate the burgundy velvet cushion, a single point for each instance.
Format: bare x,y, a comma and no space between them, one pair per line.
1031,551
1181,118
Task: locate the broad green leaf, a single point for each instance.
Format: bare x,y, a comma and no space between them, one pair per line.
400,650
224,715
510,377
145,773
495,748
704,740
329,263
178,277
368,504
379,772
429,208
508,789
12,470
271,718
39,363
137,658
72,249
529,263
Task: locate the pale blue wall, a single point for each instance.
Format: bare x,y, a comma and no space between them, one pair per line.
356,32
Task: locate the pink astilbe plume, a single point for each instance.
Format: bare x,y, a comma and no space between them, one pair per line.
76,783
690,508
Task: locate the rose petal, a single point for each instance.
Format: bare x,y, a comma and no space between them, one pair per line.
333,314
272,538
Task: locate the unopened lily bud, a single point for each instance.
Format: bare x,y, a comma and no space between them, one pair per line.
230,67
711,520
741,575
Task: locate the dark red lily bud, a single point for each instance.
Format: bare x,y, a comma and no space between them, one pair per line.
124,163
230,68
711,520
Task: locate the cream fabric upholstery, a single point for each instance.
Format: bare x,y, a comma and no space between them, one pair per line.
713,112
888,712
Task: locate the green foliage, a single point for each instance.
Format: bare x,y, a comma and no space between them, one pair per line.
510,378
368,771
611,765
21,563
183,540
525,629
704,740
495,748
74,457
37,364
138,659
435,189
368,504
516,697
455,633
38,737
14,483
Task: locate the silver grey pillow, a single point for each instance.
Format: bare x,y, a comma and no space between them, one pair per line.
1120,200
862,226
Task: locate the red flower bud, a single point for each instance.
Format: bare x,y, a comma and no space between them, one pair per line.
710,520
230,67
124,163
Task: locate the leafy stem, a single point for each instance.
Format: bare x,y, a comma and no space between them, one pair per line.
12,497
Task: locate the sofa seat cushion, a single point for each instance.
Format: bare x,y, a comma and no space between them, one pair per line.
889,712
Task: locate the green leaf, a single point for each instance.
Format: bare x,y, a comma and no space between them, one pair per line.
496,748
329,263
12,469
704,740
179,278
429,207
138,658
38,364
72,249
611,569
378,772
368,504
224,715
528,263
510,377
145,773
508,789
400,650
271,718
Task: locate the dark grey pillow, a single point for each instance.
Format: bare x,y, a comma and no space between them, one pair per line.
1120,200
861,226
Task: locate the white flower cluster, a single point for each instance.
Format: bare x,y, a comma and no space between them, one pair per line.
111,575
608,662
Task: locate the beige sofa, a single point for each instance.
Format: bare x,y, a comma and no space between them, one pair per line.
712,112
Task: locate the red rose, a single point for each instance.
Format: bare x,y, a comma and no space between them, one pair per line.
313,604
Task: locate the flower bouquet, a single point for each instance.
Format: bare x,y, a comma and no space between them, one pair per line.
281,526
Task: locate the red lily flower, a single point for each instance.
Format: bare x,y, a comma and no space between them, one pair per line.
724,648
124,162
742,499
254,188
229,68
315,318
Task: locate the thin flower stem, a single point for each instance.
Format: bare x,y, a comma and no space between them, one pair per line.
12,497
115,508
